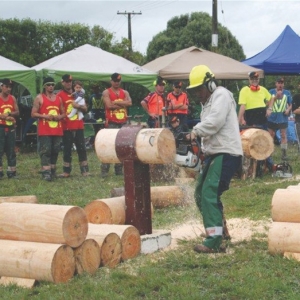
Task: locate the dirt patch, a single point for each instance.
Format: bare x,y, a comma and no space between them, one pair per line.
240,230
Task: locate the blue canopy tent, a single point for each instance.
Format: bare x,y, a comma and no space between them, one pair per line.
281,57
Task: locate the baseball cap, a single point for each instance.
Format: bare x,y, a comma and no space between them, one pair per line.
116,77
7,81
253,75
177,84
280,79
48,80
67,77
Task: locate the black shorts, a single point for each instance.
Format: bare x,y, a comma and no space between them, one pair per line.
276,126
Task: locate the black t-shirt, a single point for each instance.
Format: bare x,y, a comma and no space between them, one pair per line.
295,105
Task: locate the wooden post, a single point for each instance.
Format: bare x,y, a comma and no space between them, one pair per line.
60,224
40,261
136,148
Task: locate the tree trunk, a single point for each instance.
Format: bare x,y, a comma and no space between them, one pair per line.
39,261
19,199
129,235
286,205
59,224
110,247
257,143
284,237
87,257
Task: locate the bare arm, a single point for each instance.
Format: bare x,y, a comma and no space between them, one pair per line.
241,115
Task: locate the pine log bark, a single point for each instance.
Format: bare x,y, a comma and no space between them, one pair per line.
87,257
110,247
19,199
59,224
286,205
129,235
284,237
39,261
257,143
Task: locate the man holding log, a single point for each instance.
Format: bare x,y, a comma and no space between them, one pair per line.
222,146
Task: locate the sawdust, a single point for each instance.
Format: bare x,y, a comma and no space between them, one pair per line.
239,229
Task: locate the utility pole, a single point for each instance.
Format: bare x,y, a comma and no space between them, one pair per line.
214,38
129,14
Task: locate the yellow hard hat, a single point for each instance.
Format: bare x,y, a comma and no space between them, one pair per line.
199,75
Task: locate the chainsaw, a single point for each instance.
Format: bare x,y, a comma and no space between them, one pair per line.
283,170
188,152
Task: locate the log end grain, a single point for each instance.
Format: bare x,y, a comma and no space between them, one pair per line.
111,250
131,243
87,257
63,264
98,212
75,226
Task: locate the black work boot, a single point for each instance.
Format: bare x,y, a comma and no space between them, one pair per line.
53,173
1,174
46,175
12,174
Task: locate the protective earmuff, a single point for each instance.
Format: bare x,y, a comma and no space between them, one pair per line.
211,83
254,88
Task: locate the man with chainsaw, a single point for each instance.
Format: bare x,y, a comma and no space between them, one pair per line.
219,130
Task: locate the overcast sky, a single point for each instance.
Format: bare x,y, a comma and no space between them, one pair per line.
255,24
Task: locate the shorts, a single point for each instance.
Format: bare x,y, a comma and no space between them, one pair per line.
276,126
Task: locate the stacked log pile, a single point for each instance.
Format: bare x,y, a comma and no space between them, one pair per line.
284,233
55,242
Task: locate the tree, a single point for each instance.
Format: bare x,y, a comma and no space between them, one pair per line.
193,30
29,42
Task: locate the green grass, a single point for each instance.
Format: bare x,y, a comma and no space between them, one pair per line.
247,271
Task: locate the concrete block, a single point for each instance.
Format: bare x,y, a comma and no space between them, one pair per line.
159,239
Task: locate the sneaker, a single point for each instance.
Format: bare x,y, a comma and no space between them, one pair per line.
47,177
12,175
204,249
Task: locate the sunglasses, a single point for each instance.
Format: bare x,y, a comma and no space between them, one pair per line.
50,84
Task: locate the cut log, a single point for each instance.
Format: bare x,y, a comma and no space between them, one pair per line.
286,205
39,261
161,196
257,143
110,247
108,211
129,235
87,257
284,237
59,224
152,146
19,199
291,187
292,255
21,282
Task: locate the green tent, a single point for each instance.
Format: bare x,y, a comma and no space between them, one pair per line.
92,63
24,76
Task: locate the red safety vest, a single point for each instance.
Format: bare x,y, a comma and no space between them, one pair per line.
116,115
176,100
46,127
7,106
